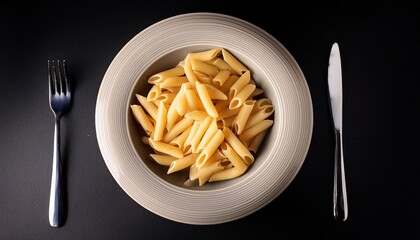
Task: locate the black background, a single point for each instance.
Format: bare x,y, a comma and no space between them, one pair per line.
379,46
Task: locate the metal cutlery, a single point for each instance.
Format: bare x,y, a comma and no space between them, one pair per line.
340,208
60,103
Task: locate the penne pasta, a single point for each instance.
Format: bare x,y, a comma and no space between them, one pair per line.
178,128
233,62
195,141
225,174
228,84
164,160
242,96
182,163
210,148
189,73
141,117
206,100
222,65
215,93
238,124
196,115
166,148
181,138
206,55
254,130
150,108
205,115
160,77
194,102
220,78
256,141
182,104
173,82
259,115
210,131
206,172
233,157
239,84
238,146
160,123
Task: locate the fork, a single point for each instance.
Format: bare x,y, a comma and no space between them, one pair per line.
60,103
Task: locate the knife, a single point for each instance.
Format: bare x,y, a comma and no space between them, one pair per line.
335,89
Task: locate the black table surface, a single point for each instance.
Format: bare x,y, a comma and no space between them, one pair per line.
379,48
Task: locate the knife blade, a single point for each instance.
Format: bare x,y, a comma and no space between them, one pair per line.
335,90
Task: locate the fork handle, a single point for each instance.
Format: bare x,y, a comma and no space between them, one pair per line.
56,208
340,192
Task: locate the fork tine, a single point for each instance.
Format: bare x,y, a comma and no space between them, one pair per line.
52,77
59,79
66,82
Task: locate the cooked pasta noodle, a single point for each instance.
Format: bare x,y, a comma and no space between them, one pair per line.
205,115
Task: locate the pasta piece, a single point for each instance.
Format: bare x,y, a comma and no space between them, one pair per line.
164,160
215,93
182,104
228,84
221,105
192,78
178,128
148,106
256,141
233,62
203,67
259,115
220,78
173,82
142,118
203,78
228,113
241,118
254,130
160,123
165,97
187,143
196,115
166,148
193,172
211,130
225,122
242,96
210,148
160,77
256,92
195,141
205,55
154,93
222,65
173,115
205,99
238,146
201,115
182,163
225,174
216,157
261,104
194,102
206,172
181,138
233,157
239,84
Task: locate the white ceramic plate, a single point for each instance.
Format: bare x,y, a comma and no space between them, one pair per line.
161,46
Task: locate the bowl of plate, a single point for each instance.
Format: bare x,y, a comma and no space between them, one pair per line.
162,46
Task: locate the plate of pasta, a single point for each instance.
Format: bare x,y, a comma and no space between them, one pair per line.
203,118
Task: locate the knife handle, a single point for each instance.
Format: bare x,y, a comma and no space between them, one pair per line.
340,192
